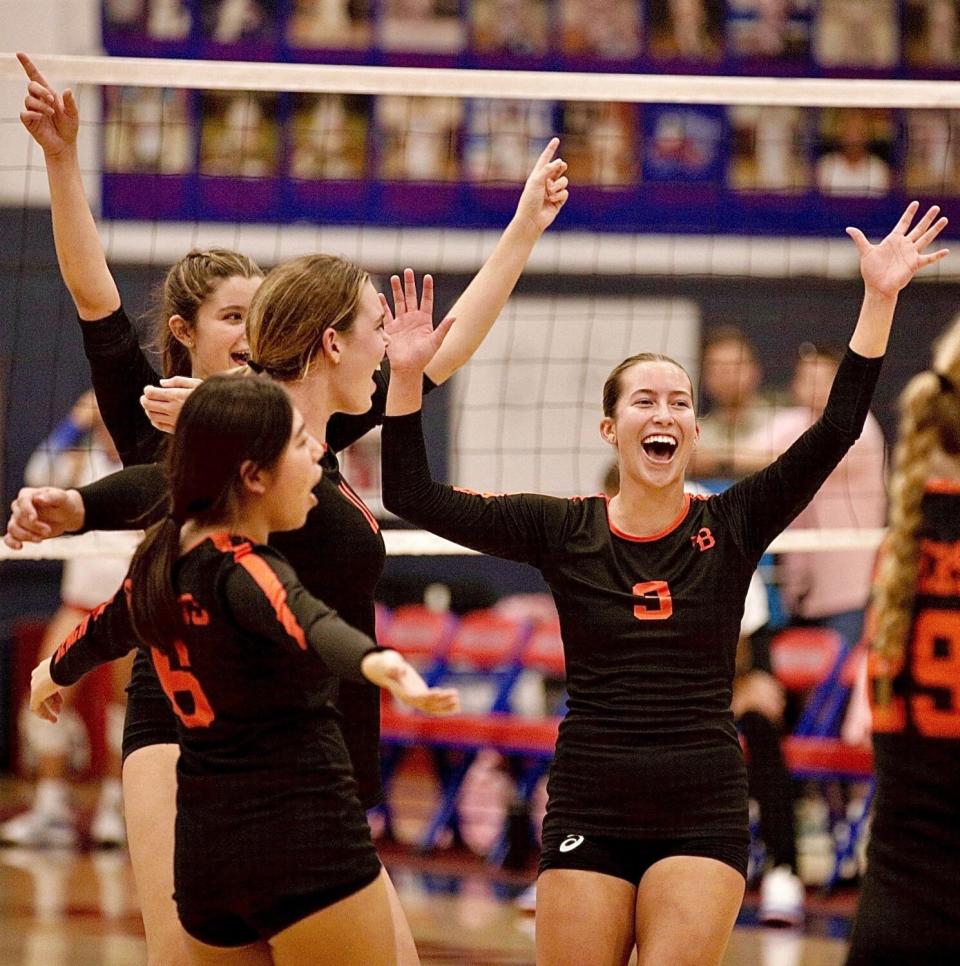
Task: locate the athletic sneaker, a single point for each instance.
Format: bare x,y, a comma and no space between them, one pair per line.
527,900
781,897
40,830
108,829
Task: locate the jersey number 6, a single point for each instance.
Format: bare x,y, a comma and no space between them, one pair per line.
189,702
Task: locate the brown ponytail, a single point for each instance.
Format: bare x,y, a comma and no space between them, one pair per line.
226,422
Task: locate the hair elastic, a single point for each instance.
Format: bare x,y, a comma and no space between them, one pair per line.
255,366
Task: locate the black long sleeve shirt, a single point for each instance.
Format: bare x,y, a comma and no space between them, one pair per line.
650,625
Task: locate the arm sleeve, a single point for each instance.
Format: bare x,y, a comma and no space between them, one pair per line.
104,635
344,429
129,500
264,596
519,526
764,503
119,370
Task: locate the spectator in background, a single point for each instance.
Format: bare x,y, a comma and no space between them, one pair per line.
233,21
77,452
829,588
852,168
609,29
691,29
735,433
510,26
857,32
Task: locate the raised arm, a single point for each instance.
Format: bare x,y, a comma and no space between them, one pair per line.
765,503
53,121
524,527
544,194
887,269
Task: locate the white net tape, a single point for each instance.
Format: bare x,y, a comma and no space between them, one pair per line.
506,84
416,543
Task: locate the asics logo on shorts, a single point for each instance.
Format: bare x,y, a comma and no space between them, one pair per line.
571,842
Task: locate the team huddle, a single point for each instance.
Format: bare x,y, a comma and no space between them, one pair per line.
251,741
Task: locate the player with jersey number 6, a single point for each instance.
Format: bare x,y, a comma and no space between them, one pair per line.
273,859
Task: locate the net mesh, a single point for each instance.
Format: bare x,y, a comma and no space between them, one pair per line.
696,202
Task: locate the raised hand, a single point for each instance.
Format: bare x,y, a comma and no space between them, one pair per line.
51,118
888,266
162,403
413,340
389,670
545,192
41,512
46,700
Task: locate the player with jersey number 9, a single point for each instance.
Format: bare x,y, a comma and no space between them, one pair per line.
249,662
645,837
908,911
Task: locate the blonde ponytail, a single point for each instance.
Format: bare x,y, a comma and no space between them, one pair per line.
929,424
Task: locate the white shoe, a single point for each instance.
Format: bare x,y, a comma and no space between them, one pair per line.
40,830
782,897
108,829
527,900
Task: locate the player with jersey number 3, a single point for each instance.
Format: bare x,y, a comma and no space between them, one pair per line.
645,837
273,860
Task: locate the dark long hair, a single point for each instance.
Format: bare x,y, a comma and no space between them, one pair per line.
225,422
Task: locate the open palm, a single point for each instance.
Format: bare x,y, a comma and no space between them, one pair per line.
888,266
413,339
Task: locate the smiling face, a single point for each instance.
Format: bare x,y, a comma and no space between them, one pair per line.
654,424
218,341
361,350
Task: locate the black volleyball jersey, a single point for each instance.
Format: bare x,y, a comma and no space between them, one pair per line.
119,370
338,554
915,842
255,672
649,625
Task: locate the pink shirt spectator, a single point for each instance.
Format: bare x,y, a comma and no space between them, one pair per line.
817,584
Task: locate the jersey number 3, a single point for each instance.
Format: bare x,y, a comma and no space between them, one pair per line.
189,702
652,601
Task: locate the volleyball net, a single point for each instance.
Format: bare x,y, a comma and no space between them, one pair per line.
696,203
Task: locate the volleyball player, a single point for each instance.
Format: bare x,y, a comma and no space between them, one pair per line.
335,397
201,305
908,913
273,861
316,326
645,836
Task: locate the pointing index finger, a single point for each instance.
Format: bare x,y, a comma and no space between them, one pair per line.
31,69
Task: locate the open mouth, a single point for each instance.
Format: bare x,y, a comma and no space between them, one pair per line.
241,357
659,447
